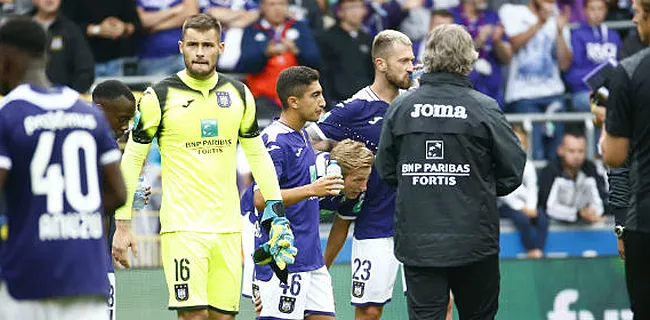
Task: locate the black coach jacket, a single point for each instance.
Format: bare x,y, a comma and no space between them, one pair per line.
450,152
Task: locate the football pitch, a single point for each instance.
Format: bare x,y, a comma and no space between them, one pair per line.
552,289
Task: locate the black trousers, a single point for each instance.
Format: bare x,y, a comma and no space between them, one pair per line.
475,287
637,272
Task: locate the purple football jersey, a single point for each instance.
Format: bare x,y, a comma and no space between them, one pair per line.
294,161
360,119
54,147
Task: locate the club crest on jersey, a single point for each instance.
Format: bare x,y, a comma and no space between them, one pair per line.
182,292
287,304
256,290
223,99
358,289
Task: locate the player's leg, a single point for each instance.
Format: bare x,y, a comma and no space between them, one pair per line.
225,276
248,247
374,270
185,263
637,277
112,296
450,305
320,297
427,296
476,288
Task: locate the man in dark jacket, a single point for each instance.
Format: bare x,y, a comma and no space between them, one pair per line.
450,152
70,59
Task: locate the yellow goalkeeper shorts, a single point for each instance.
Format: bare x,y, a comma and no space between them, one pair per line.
202,270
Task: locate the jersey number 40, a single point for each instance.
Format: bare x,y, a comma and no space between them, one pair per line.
56,179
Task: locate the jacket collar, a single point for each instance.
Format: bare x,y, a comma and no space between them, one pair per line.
436,78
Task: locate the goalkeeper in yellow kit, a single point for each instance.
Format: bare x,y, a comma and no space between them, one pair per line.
198,116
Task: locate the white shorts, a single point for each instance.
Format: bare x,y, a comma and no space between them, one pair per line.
248,247
374,270
112,298
73,308
305,293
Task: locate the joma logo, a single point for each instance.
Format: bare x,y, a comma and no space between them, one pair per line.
438,111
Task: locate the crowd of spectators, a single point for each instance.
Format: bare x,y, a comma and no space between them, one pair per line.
531,54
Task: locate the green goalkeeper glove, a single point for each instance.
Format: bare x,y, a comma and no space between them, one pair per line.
279,250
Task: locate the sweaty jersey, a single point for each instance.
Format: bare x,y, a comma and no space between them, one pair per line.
197,124
294,161
360,118
54,147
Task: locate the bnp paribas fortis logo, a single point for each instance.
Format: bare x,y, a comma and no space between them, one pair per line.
209,128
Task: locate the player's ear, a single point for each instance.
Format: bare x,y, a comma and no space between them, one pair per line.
292,102
380,64
221,47
180,46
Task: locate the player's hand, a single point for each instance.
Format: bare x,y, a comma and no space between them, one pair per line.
280,247
122,240
258,305
599,113
327,186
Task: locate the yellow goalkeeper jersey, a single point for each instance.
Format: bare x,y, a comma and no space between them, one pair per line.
198,124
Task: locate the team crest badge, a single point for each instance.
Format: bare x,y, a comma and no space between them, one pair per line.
256,290
287,304
182,292
358,289
223,99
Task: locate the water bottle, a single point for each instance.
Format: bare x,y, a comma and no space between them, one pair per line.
333,169
138,196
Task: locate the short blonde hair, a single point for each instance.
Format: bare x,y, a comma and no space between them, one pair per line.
450,48
385,40
352,155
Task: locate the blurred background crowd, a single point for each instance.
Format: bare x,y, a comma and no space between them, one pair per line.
532,58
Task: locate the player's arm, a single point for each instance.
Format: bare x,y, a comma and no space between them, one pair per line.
144,130
114,194
324,186
258,158
618,121
507,154
279,250
336,239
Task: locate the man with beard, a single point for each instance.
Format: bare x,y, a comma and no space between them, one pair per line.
199,117
626,135
374,265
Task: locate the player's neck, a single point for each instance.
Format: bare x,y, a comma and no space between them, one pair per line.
292,120
384,90
35,75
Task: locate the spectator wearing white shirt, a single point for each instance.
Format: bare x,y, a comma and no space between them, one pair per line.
520,206
539,53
